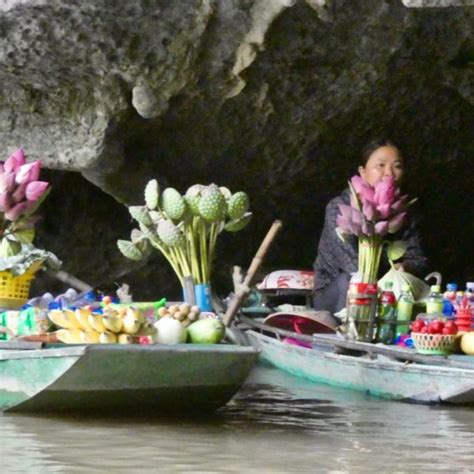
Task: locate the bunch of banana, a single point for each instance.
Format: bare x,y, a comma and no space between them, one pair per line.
184,313
82,326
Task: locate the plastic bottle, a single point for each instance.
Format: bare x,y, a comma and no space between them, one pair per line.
449,297
470,291
434,305
387,315
458,300
404,309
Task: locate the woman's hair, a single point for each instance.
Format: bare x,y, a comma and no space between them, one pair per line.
374,145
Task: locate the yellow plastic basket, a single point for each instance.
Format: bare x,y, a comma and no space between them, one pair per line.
15,290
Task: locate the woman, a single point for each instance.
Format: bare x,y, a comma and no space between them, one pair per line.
337,259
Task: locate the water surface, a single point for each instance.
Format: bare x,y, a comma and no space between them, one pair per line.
277,423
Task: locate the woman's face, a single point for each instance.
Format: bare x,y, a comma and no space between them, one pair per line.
384,162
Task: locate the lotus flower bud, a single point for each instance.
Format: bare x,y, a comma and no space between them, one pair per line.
385,191
381,228
14,161
396,222
5,202
384,210
16,211
19,193
7,182
369,211
364,190
35,190
28,172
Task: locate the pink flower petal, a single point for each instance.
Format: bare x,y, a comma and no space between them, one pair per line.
396,222
5,202
7,181
28,172
35,190
381,228
15,160
16,211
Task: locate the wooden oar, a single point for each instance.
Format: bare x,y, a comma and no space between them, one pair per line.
256,262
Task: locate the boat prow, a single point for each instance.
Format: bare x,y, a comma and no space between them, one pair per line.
123,379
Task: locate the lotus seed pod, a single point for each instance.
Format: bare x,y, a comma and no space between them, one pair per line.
152,192
238,205
140,214
156,216
148,232
136,236
192,197
173,204
212,205
170,234
238,224
226,192
129,250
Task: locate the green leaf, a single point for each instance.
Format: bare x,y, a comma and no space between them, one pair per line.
396,250
129,250
25,236
152,192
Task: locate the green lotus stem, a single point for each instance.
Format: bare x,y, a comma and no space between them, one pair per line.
170,259
212,245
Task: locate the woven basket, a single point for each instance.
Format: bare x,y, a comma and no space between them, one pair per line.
434,344
15,290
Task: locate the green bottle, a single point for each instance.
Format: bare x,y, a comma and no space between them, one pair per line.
404,309
434,305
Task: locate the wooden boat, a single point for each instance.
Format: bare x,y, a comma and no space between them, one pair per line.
380,370
121,379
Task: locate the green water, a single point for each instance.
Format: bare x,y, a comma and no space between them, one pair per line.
277,423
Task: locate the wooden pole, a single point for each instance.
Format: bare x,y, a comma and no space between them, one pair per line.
256,262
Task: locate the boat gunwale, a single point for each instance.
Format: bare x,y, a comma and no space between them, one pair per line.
368,362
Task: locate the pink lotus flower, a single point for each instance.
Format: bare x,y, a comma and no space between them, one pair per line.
28,172
396,222
369,211
19,193
385,191
384,210
364,190
7,181
16,211
35,190
14,161
5,202
381,227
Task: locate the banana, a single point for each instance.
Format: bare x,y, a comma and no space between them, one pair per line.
96,322
125,339
71,317
130,324
90,337
59,319
136,313
69,336
82,317
107,337
112,323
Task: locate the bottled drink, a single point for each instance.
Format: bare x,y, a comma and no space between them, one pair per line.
458,300
449,297
434,305
470,291
404,309
387,315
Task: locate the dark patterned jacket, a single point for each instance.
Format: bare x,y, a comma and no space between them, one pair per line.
336,257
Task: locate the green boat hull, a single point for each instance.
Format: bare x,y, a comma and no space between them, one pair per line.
123,379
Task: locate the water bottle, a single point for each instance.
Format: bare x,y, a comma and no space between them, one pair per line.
449,297
470,291
434,305
387,315
404,309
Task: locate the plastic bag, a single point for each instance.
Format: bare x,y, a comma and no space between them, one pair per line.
419,289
